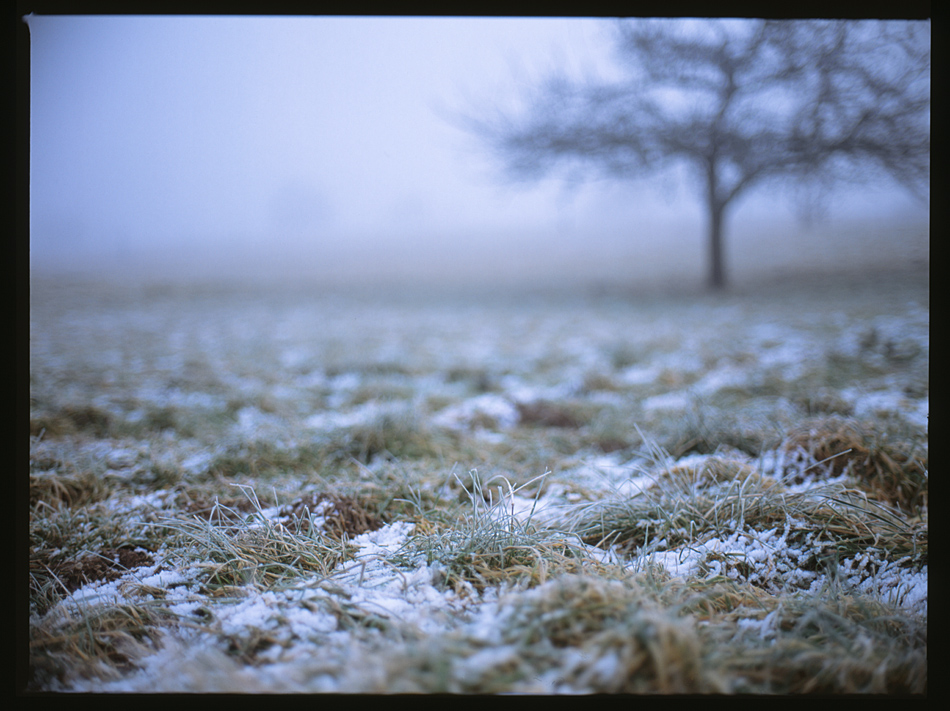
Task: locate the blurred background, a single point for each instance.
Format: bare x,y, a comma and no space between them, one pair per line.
324,149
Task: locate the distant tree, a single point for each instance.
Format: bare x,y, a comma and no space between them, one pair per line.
739,103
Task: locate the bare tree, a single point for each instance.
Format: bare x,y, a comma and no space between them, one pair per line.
740,103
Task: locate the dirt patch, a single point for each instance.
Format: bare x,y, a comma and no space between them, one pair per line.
108,564
340,515
547,414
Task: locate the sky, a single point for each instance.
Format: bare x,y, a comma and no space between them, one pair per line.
324,144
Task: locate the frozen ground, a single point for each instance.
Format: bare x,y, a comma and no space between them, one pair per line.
514,415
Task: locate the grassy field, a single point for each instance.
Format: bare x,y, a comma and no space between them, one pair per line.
296,490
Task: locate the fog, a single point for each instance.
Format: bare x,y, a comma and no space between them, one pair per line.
322,148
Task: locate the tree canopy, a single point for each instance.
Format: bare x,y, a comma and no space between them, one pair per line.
740,103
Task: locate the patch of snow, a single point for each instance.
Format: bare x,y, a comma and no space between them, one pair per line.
164,578
387,539
488,410
198,463
640,375
154,500
677,401
882,403
295,357
258,612
364,414
121,458
521,392
611,472
729,376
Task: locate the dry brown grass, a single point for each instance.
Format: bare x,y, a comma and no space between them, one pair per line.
240,550
890,467
96,640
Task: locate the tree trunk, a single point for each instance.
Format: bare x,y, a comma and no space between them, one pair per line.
717,269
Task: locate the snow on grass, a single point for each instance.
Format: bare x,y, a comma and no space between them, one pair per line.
480,412
576,556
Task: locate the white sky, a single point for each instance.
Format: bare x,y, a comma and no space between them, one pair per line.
303,135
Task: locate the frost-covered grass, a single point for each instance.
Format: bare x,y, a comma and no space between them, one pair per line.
290,490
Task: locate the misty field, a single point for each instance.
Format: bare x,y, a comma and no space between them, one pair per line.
296,490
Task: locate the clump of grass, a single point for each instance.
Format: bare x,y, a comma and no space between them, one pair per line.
478,380
55,488
627,641
158,419
648,633
239,550
379,390
391,489
595,381
709,600
712,472
830,643
821,401
858,523
623,355
72,419
890,466
207,423
682,503
369,368
576,632
610,430
491,545
749,426
553,414
567,611
840,370
718,498
527,450
97,640
261,458
392,435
